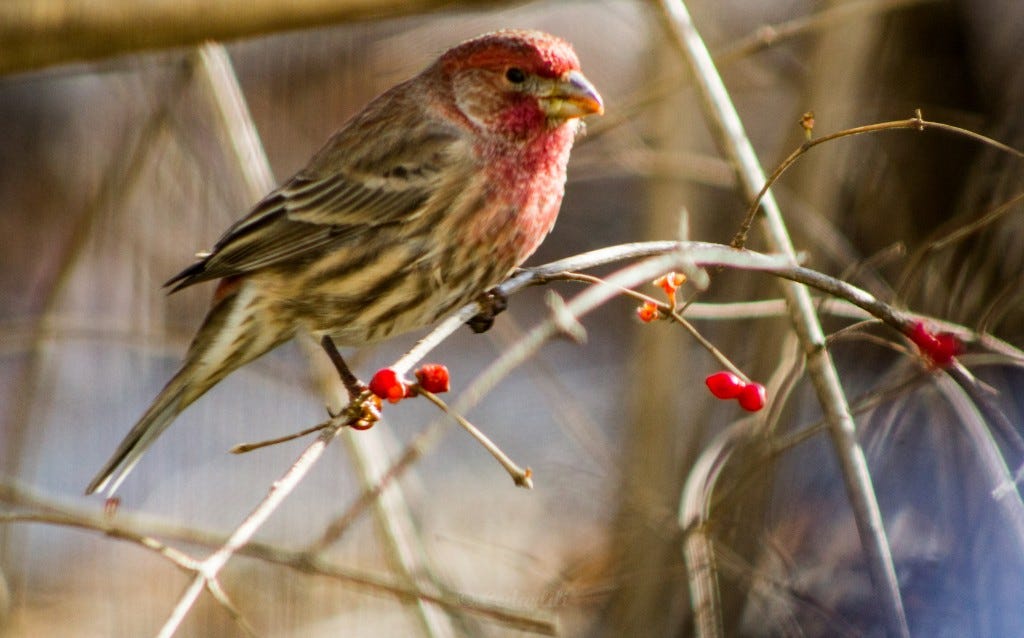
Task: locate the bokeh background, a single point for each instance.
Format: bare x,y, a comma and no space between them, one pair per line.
114,170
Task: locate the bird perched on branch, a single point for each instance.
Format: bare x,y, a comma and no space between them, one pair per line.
429,197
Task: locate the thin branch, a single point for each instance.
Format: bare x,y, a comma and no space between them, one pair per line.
221,596
243,448
950,233
693,517
839,15
279,490
414,451
973,413
672,313
916,123
761,38
730,134
144,532
38,33
521,477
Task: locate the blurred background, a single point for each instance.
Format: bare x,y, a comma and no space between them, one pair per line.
116,166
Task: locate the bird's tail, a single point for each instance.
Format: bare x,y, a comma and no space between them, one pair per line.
235,331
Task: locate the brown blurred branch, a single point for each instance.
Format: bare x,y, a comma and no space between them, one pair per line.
40,33
30,506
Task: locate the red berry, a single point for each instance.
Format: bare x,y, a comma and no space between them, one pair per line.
724,385
752,397
647,312
386,384
670,282
919,334
941,349
947,346
433,377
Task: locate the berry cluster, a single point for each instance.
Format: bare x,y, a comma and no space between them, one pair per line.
726,385
432,377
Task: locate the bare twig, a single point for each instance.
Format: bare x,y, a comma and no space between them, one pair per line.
693,514
242,448
974,414
669,312
40,509
521,477
221,596
916,123
834,16
729,132
211,566
761,38
234,118
945,236
38,33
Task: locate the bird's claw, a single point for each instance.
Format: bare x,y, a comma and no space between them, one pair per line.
492,303
361,413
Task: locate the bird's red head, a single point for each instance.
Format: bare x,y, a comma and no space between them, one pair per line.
518,82
534,52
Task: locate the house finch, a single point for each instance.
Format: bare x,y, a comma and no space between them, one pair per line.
429,197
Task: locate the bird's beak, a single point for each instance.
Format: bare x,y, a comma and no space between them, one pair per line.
570,96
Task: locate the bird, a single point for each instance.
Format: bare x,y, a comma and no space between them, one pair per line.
429,197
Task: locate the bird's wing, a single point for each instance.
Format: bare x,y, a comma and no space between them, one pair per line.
322,205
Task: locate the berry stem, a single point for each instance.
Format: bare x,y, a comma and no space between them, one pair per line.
521,477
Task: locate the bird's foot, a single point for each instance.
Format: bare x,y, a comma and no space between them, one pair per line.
492,303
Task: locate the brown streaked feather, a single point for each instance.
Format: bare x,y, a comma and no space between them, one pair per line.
318,210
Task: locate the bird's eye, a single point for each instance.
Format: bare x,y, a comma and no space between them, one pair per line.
515,75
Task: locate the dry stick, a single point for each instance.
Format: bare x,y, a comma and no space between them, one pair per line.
47,32
916,123
694,511
761,38
209,568
397,531
242,448
176,557
1000,304
340,524
943,240
571,415
143,533
835,16
728,130
972,414
671,313
221,596
521,477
